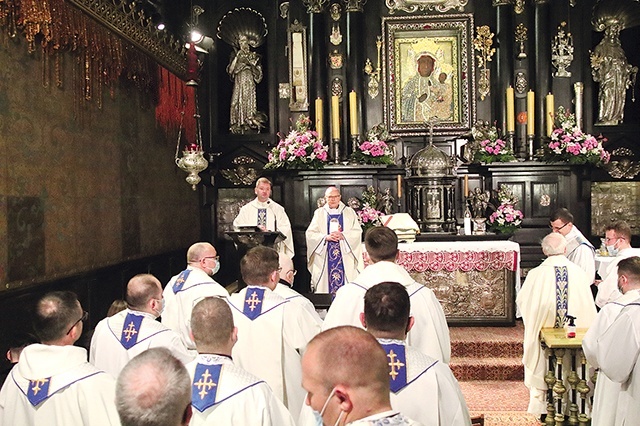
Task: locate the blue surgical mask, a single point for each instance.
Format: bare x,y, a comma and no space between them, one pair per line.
161,307
612,250
318,416
215,268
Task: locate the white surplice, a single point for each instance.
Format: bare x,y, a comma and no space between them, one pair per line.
107,352
240,397
386,418
179,303
277,220
271,345
432,394
430,333
608,287
618,351
537,303
350,246
297,299
581,252
605,397
77,394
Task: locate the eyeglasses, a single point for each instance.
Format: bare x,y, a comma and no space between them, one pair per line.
555,228
607,239
211,257
293,271
85,315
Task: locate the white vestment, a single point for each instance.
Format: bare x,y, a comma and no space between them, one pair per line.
180,299
430,333
276,220
581,252
65,388
236,397
431,394
297,299
605,397
537,302
270,346
608,287
618,351
350,246
387,418
108,351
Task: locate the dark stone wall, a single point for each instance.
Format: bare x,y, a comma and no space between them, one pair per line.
82,188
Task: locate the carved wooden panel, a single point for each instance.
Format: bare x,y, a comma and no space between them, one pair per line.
544,199
612,201
229,202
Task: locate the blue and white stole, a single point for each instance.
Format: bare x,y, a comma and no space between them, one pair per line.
562,296
262,217
205,385
252,305
397,362
180,280
335,266
130,330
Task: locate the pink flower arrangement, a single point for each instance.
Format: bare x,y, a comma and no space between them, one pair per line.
369,217
300,149
493,149
569,144
373,151
506,219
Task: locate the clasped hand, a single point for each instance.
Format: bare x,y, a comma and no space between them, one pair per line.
334,236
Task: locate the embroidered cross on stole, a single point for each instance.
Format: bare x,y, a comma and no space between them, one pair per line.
252,306
397,361
562,293
38,390
262,217
130,330
205,386
182,278
335,266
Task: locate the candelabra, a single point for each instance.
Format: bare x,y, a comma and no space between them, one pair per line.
562,51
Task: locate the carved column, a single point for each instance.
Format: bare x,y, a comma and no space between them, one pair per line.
503,58
317,63
355,61
542,64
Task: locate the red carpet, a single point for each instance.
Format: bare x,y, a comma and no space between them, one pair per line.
487,361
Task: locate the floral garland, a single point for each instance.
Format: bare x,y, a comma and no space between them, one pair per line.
300,149
570,145
366,208
492,149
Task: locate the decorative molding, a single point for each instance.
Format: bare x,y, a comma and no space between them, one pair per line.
425,5
315,6
354,5
122,19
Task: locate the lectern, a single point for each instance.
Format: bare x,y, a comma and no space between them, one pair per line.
249,237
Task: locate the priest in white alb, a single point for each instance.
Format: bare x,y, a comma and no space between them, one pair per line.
117,339
334,244
273,332
53,384
268,215
579,249
552,291
430,334
618,242
605,397
184,290
222,392
422,387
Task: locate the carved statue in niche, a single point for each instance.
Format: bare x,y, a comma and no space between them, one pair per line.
244,28
609,65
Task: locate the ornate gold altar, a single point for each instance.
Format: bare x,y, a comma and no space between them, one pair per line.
564,404
475,281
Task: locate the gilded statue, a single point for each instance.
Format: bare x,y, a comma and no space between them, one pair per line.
244,28
610,68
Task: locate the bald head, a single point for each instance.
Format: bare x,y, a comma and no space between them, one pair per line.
212,326
287,271
154,389
554,244
141,289
198,251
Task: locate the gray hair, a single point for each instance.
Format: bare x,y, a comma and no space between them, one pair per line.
153,389
554,244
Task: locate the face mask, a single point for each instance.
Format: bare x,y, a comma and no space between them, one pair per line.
216,268
318,416
612,250
161,307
